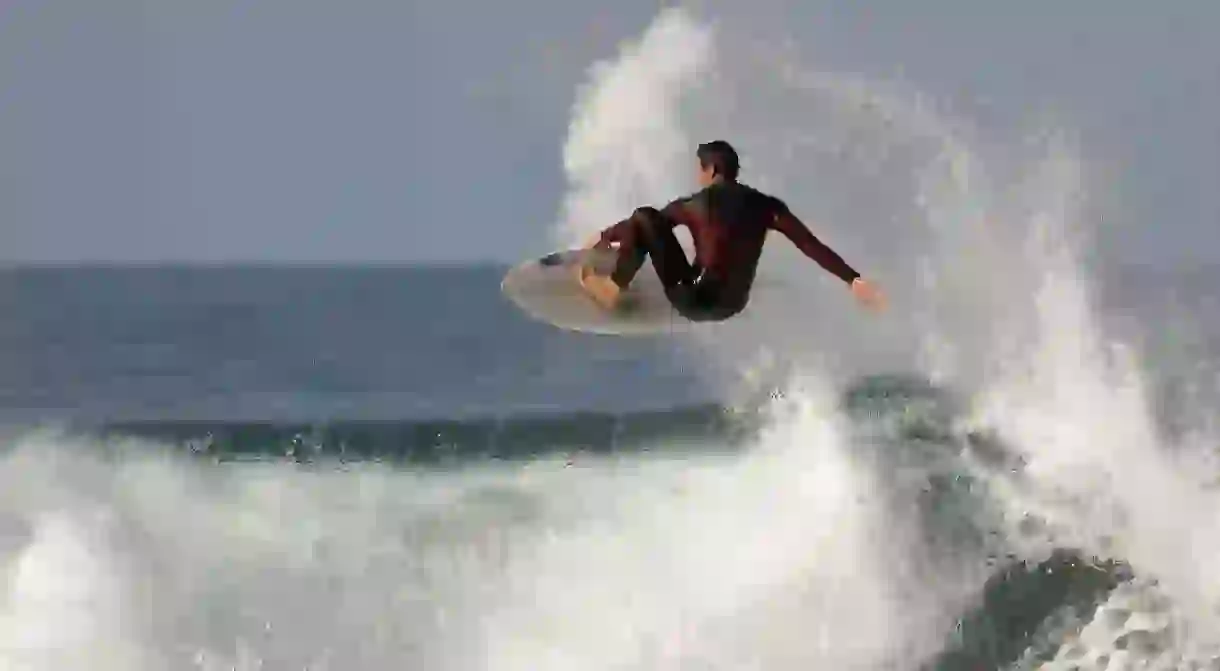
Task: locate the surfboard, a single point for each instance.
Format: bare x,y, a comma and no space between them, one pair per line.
547,290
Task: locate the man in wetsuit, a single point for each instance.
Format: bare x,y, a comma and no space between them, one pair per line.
728,222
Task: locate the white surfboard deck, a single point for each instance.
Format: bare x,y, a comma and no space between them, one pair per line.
547,289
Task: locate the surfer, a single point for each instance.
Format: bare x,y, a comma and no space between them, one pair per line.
728,222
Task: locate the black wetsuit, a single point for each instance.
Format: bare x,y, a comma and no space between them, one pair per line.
728,222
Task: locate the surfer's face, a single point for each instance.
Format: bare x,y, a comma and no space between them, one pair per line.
707,175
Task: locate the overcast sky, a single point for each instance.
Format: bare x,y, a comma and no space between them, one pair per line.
430,130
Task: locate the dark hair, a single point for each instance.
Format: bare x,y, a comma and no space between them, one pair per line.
721,156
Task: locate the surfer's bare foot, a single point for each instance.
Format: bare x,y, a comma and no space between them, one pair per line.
601,289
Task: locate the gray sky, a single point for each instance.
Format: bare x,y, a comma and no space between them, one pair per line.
289,130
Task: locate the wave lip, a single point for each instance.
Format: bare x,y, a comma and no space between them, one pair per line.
445,441
901,407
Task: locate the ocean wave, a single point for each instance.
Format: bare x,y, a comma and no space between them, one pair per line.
905,424
899,407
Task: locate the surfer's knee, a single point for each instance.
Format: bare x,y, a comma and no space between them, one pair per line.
646,215
647,219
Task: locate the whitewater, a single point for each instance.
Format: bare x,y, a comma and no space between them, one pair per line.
806,550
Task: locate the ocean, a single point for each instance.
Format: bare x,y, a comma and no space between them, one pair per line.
388,467
391,467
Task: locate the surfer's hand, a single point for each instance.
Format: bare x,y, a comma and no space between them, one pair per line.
868,294
597,242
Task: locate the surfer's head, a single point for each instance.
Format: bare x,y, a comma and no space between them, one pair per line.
717,161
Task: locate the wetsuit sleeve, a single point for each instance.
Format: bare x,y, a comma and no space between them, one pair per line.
677,212
795,230
673,214
615,233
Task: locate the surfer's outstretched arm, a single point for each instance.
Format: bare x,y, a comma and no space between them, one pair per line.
795,230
